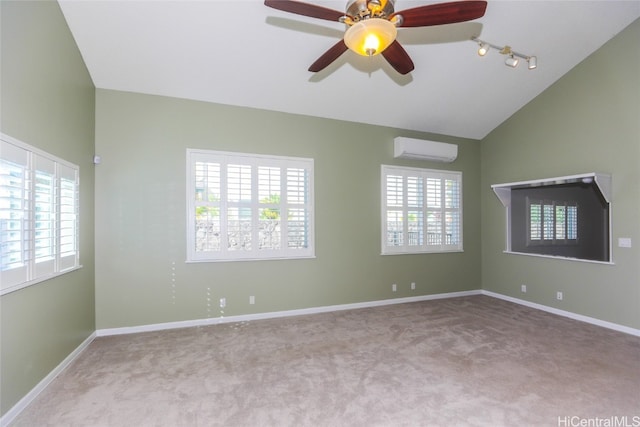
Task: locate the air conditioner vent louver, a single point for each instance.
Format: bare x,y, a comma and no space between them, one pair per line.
409,148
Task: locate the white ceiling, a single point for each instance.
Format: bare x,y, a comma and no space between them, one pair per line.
244,53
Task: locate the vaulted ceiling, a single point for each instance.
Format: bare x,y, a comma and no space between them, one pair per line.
246,54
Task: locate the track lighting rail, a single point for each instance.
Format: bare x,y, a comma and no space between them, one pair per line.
512,56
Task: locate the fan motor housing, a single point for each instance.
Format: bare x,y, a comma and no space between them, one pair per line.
365,9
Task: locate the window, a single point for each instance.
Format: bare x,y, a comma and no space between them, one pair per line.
38,215
566,217
248,207
421,210
552,222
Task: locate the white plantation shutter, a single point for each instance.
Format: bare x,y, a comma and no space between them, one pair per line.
245,207
298,208
572,222
551,222
421,210
415,213
239,216
453,215
15,193
68,217
38,215
269,184
207,207
561,222
44,216
535,221
394,218
395,190
269,214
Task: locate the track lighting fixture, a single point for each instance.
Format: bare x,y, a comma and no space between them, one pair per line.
513,58
511,61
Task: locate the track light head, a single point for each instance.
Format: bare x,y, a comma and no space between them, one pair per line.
511,61
533,62
483,49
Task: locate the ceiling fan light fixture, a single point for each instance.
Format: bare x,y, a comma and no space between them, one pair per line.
371,36
371,25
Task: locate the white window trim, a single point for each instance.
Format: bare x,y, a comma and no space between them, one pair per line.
503,192
30,274
425,173
254,160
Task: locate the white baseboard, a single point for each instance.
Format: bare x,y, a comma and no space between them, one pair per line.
276,314
27,399
329,308
569,314
12,413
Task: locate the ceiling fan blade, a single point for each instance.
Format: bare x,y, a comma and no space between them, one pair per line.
398,58
442,13
305,9
329,56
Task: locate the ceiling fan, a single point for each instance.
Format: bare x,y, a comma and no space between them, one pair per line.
372,26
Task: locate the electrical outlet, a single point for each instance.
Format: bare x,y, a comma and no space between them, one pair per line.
223,302
523,288
394,287
413,286
252,299
559,296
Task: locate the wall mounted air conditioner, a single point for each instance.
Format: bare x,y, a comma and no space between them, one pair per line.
410,148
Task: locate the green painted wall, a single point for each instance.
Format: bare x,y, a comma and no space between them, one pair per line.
141,274
48,101
588,121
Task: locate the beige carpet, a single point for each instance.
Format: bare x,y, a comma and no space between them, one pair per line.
475,361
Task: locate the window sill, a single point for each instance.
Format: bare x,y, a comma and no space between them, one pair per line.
591,261
443,251
23,285
199,261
